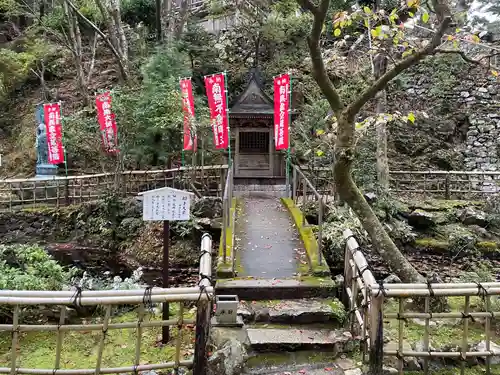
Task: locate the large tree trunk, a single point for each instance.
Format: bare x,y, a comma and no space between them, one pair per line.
346,115
349,193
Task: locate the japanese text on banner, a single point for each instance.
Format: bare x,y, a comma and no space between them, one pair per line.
218,112
53,126
281,111
107,123
190,140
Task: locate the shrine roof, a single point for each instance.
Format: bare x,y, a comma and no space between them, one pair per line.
253,101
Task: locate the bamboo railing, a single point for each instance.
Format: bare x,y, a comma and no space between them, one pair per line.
366,299
446,184
60,191
201,295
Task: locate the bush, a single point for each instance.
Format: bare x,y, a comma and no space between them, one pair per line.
29,267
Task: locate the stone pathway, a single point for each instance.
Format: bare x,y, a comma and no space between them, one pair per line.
266,239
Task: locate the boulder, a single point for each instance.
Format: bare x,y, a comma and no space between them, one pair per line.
208,207
470,216
410,363
481,347
421,219
392,279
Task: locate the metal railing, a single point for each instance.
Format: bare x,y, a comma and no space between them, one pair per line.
447,184
300,187
366,300
201,295
61,190
228,217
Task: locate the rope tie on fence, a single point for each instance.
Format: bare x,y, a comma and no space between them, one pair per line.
146,299
135,369
77,298
399,355
429,288
203,288
203,252
400,317
381,289
468,316
481,290
366,268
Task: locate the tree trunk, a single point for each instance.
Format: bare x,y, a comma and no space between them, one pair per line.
76,41
109,25
114,8
349,192
380,67
116,53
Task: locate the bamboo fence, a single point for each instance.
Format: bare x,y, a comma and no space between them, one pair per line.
366,297
201,295
446,184
61,190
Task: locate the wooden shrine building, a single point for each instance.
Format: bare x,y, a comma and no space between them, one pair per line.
251,119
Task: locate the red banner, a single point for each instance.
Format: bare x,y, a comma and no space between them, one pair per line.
107,123
281,111
218,111
190,140
52,119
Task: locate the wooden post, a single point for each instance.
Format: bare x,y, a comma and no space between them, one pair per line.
200,360
66,192
376,335
165,330
447,187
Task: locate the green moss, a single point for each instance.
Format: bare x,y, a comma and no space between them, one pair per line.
338,309
225,269
432,243
80,349
308,238
277,359
487,245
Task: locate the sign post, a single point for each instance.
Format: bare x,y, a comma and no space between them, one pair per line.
166,204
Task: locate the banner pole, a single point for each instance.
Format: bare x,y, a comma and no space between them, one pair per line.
227,117
62,140
288,149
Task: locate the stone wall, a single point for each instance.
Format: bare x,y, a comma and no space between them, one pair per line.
463,104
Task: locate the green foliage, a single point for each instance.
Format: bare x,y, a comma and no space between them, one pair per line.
14,70
136,11
30,267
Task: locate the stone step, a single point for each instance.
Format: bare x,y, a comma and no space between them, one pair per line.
303,311
289,339
300,362
278,289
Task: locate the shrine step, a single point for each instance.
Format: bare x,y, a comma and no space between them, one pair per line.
289,339
251,289
293,312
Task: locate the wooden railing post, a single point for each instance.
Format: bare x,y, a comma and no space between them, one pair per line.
447,186
294,183
203,309
376,334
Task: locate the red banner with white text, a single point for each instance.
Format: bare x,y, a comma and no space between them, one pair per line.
218,110
190,139
107,123
281,111
53,126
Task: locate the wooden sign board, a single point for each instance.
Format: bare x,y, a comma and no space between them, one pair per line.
166,204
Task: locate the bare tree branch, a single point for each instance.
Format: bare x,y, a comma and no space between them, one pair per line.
411,60
319,70
101,34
